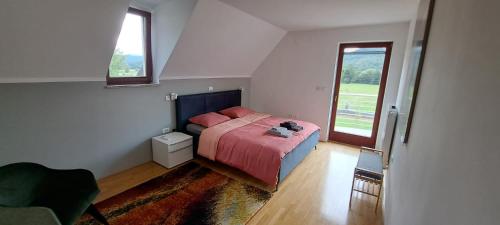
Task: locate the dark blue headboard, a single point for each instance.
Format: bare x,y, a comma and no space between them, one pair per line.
187,106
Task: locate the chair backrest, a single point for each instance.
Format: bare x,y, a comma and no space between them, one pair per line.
19,183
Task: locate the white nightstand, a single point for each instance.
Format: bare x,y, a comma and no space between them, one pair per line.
172,149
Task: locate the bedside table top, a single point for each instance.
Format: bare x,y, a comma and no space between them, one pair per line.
173,138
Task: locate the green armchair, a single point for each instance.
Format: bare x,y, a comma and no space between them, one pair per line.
68,193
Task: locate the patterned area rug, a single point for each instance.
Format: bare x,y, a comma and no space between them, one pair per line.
191,194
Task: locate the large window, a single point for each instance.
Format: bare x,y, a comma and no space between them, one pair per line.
131,62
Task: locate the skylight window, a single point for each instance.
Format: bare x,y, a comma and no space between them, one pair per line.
131,61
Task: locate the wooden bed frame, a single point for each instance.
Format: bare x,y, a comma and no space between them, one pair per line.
188,106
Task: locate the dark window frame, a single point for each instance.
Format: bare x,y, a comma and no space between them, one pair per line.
148,79
354,139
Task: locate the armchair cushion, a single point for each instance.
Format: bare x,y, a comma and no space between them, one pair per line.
68,193
28,216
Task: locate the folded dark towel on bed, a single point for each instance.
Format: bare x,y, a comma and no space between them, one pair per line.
297,128
290,125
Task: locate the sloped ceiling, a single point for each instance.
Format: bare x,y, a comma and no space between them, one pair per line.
147,4
73,40
221,41
320,14
169,20
61,40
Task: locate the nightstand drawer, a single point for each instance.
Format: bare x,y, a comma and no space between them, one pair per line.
180,145
180,156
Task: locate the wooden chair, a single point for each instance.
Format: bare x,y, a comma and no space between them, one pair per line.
369,170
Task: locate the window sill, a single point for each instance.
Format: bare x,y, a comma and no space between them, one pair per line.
132,85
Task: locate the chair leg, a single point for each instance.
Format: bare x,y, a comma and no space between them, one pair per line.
92,210
352,190
378,196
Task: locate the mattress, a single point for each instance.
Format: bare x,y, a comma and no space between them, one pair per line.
195,128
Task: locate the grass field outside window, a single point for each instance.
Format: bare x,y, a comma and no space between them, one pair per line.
356,107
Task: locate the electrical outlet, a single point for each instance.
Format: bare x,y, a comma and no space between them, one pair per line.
320,88
167,98
210,89
165,130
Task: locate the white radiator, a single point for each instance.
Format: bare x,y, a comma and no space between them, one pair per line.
388,134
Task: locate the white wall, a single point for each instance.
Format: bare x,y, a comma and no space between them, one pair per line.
168,21
69,125
448,172
63,40
296,79
221,41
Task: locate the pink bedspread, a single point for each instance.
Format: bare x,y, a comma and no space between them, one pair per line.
251,150
209,139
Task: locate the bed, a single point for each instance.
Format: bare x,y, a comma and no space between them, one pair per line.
188,106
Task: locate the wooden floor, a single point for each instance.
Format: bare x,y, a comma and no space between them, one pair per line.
316,192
